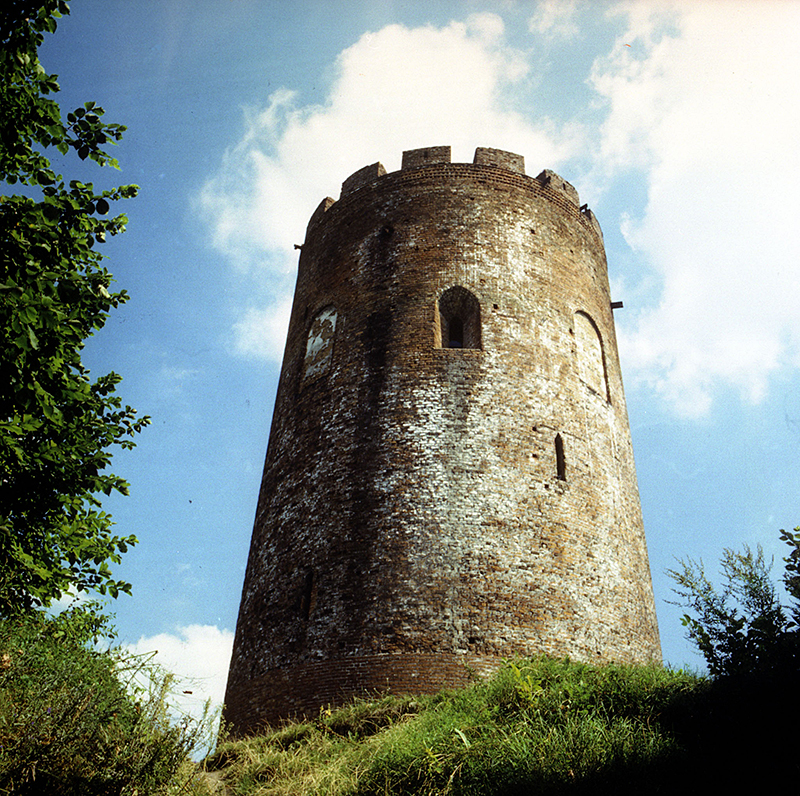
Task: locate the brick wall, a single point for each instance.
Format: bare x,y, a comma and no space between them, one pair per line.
416,511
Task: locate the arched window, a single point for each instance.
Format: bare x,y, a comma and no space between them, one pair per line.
591,357
319,344
459,315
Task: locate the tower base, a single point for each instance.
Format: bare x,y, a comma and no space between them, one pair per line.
305,688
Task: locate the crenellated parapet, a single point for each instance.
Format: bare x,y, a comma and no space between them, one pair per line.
486,161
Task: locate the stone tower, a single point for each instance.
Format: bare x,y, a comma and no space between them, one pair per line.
449,479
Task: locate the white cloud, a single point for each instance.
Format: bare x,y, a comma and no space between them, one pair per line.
555,18
198,656
261,332
710,113
394,89
700,101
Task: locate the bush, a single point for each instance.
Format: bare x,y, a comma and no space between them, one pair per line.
751,644
742,629
70,720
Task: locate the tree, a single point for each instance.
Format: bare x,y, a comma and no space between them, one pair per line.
743,629
57,426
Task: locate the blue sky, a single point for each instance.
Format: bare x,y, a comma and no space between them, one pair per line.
677,122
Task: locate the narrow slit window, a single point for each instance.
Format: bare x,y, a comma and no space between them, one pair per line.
309,596
561,462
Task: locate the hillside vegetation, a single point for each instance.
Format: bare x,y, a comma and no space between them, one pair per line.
75,720
538,726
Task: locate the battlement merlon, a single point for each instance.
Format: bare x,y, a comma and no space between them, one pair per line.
363,177
499,158
322,208
415,158
549,179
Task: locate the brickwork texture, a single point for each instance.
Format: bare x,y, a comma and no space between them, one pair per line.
449,479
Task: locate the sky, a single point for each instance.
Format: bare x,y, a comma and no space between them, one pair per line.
678,124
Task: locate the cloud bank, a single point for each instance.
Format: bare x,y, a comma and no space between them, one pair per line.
695,100
708,114
198,656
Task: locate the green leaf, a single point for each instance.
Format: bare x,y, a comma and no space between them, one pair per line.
33,339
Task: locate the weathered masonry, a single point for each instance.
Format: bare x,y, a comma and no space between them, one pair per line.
449,479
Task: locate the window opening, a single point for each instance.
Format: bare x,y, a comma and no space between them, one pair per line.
319,343
456,333
561,462
459,319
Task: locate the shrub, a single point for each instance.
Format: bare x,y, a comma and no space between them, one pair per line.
70,724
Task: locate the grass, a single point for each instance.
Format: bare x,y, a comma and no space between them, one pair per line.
538,726
69,724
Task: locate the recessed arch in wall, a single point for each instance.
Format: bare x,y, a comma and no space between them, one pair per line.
459,319
591,354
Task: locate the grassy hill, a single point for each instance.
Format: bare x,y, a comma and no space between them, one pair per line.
70,725
538,726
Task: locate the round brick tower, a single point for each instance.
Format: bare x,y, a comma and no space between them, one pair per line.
449,479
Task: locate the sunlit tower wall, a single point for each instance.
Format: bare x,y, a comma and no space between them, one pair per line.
449,479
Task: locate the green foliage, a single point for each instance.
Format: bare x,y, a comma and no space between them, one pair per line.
743,629
70,721
56,424
539,724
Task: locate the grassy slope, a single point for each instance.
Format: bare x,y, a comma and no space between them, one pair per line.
538,726
541,726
